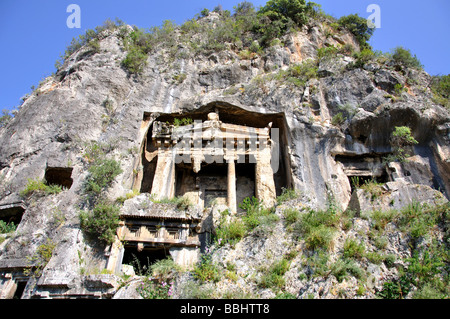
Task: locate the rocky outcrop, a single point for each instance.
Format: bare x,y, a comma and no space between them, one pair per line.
93,98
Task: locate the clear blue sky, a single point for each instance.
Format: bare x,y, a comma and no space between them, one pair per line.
33,34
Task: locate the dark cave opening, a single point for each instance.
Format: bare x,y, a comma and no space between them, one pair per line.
20,289
11,214
358,181
141,260
61,176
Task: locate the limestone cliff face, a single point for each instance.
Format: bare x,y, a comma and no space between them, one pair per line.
93,98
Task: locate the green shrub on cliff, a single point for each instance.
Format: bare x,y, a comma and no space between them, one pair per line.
5,118
405,58
359,27
440,86
40,186
101,222
6,228
135,61
318,228
101,174
402,138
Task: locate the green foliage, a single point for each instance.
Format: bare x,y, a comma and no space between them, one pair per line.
6,228
423,268
363,57
318,228
273,277
95,151
327,52
196,290
304,71
139,43
5,118
287,13
332,51
275,18
90,37
423,272
291,216
285,295
372,187
230,232
33,185
338,119
299,74
359,27
207,269
40,259
100,219
440,86
400,138
404,57
286,10
40,186
287,195
183,121
135,61
244,8
342,268
181,202
179,78
94,46
318,263
320,237
101,222
395,289
428,291
101,174
380,219
418,220
256,215
164,269
399,89
150,289
353,249
427,269
204,12
158,282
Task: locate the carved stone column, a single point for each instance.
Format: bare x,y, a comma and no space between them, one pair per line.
164,180
231,190
264,182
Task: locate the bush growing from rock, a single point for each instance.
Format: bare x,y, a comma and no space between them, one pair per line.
101,222
401,138
441,90
40,186
404,57
231,232
135,61
6,228
5,118
101,174
359,27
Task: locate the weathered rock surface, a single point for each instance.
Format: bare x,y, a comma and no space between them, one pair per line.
57,121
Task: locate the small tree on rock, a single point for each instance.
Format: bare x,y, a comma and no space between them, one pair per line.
401,138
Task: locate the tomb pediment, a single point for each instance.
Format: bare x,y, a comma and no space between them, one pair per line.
166,133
